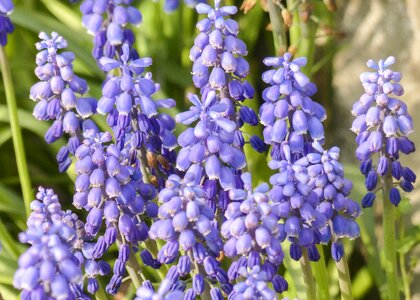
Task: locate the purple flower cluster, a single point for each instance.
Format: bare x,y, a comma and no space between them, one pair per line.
184,219
256,283
133,114
382,126
215,145
218,54
251,224
106,20
212,148
289,114
52,266
309,191
110,188
59,96
6,26
253,232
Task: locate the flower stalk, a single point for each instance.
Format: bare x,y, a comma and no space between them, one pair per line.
344,278
390,262
308,277
134,270
321,274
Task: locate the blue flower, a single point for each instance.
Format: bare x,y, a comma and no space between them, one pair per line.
52,266
6,26
111,189
107,20
165,291
133,114
288,101
59,96
254,286
382,126
309,190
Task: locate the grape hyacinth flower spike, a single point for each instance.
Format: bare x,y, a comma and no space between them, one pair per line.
113,193
52,266
188,227
133,114
309,191
214,148
107,20
6,26
382,126
59,96
289,114
253,236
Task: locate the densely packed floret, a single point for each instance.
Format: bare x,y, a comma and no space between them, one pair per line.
133,115
309,190
289,114
253,237
52,266
216,143
382,126
111,189
107,20
60,96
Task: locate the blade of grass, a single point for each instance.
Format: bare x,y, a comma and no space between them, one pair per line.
19,148
77,40
7,241
5,135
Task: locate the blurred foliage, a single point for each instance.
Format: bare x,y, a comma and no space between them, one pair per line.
302,27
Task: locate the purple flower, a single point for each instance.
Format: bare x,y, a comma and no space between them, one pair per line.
251,223
6,26
382,126
309,189
111,189
219,66
52,266
59,96
184,218
133,114
288,99
107,20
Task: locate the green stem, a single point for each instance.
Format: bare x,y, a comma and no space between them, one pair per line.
320,271
100,294
25,180
134,270
390,262
199,269
344,278
308,278
404,274
370,250
279,32
306,43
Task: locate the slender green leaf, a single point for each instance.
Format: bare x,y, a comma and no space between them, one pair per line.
8,292
77,41
27,121
8,266
63,13
5,135
11,203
